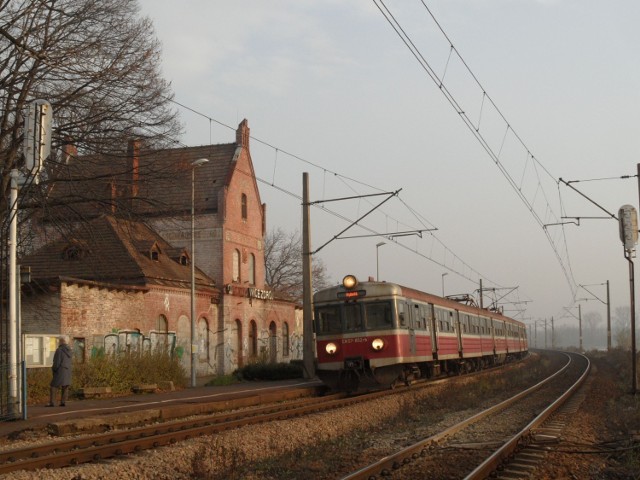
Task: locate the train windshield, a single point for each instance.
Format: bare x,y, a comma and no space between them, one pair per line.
378,315
354,317
328,319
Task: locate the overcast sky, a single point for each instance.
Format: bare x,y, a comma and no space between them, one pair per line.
551,91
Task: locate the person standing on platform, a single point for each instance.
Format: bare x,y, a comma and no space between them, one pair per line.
61,369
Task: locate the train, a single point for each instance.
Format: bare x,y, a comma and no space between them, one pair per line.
378,334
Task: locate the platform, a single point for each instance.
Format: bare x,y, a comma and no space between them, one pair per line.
140,408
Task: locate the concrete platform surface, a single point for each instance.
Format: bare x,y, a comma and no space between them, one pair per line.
102,414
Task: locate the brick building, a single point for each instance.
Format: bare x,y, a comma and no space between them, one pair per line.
116,285
229,228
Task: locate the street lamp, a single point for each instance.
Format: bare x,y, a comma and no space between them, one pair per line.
443,275
194,348
378,245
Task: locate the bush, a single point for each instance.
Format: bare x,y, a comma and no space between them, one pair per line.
269,371
120,372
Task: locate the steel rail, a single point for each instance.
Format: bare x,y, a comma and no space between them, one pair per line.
498,457
113,444
392,462
92,448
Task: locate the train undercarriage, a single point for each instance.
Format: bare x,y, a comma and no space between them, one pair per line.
357,374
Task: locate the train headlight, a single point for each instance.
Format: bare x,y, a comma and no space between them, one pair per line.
331,348
349,282
377,344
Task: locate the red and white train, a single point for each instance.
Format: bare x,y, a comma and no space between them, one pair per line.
378,334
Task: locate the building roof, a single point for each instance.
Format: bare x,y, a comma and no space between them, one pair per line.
142,182
116,251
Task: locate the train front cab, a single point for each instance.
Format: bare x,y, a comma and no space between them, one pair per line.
356,337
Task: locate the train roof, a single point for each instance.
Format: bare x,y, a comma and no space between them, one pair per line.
386,289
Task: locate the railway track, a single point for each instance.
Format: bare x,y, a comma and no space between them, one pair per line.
483,444
94,448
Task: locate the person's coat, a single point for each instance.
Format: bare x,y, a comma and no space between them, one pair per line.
61,366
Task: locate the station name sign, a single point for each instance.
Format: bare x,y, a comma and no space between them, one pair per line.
248,292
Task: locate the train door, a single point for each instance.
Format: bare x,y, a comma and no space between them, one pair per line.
413,320
458,327
434,331
416,324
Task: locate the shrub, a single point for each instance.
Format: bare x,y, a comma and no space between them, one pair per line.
262,370
120,372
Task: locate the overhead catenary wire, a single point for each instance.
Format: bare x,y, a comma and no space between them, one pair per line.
469,273
476,130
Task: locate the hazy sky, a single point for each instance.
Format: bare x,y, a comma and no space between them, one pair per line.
551,91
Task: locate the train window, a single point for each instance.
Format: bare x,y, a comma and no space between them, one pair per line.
328,319
443,319
378,315
422,318
402,315
353,317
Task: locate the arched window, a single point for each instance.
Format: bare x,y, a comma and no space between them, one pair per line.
285,339
203,340
236,265
162,326
243,203
252,269
273,343
253,339
239,343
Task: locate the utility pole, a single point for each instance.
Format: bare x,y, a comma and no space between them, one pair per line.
307,299
553,336
608,319
628,220
36,149
545,333
580,324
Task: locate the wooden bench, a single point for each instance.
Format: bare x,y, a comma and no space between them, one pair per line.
90,392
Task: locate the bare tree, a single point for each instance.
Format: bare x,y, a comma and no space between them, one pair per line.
97,62
283,265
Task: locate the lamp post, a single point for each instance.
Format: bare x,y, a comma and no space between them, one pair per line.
378,245
443,275
194,348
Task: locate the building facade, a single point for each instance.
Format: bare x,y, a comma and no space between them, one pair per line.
239,321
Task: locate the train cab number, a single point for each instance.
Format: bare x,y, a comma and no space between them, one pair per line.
355,340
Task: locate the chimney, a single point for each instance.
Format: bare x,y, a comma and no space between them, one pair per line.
69,150
242,134
133,156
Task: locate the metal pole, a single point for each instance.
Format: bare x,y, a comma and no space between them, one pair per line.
442,278
193,278
13,317
608,319
580,324
634,379
545,333
535,340
481,296
553,337
378,245
307,298
194,346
